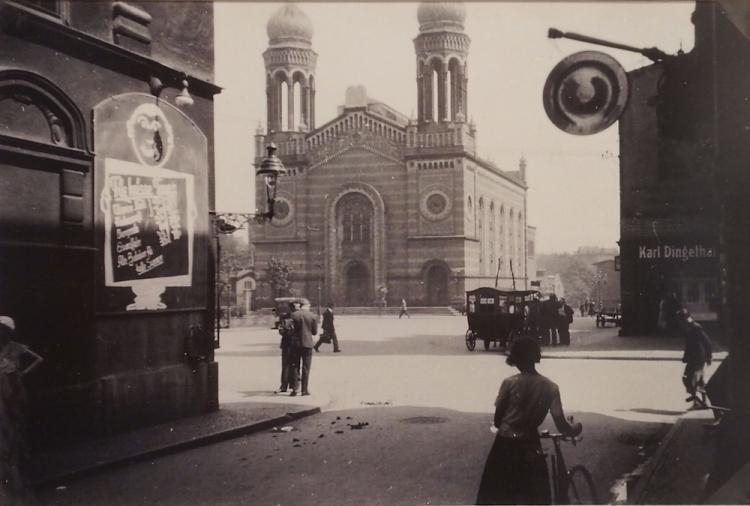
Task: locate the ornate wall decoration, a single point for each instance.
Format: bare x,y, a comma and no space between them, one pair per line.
435,205
151,135
283,211
358,138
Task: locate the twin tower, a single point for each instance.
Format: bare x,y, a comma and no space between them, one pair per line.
441,47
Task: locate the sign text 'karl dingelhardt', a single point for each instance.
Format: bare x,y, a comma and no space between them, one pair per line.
673,252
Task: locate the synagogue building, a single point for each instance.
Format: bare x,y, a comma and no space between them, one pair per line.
379,205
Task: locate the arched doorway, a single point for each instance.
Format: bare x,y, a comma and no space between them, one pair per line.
357,285
436,285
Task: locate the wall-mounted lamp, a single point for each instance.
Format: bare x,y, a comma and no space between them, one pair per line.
183,99
270,168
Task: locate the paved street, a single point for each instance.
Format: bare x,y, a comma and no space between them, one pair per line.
406,417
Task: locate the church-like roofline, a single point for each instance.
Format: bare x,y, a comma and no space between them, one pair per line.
351,110
509,175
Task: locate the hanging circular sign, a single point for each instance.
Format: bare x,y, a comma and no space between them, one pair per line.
585,93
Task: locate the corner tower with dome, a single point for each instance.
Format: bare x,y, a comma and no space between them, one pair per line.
377,203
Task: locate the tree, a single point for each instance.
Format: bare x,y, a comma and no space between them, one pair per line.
236,256
277,276
577,277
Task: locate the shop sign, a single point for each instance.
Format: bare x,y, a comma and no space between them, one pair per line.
151,184
676,252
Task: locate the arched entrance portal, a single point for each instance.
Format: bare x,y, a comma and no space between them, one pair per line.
436,285
357,285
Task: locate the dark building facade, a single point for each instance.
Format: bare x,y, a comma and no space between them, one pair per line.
377,205
105,191
669,212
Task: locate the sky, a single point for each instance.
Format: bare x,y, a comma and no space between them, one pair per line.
573,196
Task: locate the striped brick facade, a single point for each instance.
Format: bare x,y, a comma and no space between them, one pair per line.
374,200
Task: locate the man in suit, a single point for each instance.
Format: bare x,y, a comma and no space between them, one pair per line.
305,327
329,331
564,319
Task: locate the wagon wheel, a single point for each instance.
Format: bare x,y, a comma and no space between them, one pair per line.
471,340
487,344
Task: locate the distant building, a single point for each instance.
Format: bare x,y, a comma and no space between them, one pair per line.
607,286
531,255
377,203
550,284
243,286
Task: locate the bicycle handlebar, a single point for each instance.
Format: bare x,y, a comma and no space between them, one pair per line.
545,434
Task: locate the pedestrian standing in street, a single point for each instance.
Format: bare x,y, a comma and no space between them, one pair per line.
564,319
516,469
582,308
549,317
404,309
16,360
329,331
286,330
305,327
696,357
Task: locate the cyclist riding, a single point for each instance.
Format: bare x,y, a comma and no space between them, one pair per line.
516,469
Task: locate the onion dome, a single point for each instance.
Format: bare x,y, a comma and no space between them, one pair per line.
441,16
289,26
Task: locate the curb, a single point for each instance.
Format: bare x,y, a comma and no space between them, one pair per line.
196,442
604,357
639,479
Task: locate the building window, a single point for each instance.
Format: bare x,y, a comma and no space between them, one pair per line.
435,205
283,212
59,9
356,213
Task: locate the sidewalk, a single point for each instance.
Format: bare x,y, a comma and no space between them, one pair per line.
53,466
676,473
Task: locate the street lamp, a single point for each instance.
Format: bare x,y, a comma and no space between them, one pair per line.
270,168
600,278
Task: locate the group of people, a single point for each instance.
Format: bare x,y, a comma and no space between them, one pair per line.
297,345
551,319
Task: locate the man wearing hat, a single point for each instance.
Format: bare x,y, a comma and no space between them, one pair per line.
696,357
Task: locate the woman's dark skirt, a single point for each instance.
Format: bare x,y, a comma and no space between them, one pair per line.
515,473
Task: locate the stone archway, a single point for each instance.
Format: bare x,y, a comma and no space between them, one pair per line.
339,253
436,278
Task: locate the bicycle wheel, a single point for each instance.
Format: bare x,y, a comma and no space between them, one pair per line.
581,488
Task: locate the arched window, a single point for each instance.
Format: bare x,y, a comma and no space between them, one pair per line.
356,213
298,104
480,228
285,107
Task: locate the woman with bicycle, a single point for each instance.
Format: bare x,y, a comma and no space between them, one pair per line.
516,470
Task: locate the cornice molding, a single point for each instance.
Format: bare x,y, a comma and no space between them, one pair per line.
28,24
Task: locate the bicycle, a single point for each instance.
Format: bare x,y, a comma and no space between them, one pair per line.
574,486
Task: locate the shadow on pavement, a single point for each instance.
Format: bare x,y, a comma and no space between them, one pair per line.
654,411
